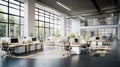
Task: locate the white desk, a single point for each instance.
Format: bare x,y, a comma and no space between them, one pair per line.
75,49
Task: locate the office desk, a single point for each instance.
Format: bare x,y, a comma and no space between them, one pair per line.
27,47
19,47
105,48
75,49
38,45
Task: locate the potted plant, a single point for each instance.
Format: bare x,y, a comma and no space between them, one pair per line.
31,34
84,35
71,37
58,35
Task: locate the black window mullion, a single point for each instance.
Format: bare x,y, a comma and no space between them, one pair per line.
20,21
8,20
38,25
49,23
44,26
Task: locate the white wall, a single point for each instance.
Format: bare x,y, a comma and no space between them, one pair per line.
76,26
63,25
29,17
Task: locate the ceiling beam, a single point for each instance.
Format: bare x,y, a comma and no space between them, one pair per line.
96,5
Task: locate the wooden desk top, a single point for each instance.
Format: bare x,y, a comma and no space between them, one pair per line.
75,45
101,48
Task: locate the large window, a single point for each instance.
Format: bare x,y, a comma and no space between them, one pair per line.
11,18
46,24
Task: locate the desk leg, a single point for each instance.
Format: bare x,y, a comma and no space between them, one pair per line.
25,48
29,48
35,47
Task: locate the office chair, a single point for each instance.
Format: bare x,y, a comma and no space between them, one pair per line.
5,47
87,46
67,48
2,53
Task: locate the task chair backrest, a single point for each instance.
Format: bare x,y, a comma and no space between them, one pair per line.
5,46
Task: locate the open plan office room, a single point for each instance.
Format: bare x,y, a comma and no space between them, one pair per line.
59,33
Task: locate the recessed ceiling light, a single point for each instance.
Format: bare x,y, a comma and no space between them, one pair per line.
63,6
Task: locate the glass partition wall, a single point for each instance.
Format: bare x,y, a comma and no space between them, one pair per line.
11,18
108,32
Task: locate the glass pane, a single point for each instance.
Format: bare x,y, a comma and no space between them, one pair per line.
15,2
51,32
14,6
46,24
36,23
2,29
36,17
3,9
3,2
14,19
55,21
3,17
22,13
41,11
51,26
51,15
36,9
36,31
22,31
55,32
41,24
46,32
46,15
22,4
41,18
14,11
22,20
47,19
36,13
51,20
14,30
55,26
22,8
41,14
41,33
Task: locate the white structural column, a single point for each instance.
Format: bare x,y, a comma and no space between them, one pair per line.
63,25
29,18
76,26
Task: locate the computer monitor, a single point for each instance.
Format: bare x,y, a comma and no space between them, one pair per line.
97,38
14,40
76,40
34,39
